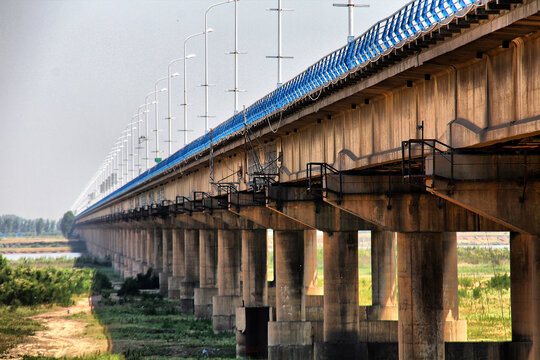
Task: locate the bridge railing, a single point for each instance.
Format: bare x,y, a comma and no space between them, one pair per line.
405,25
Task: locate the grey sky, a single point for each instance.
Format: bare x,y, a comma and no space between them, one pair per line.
73,72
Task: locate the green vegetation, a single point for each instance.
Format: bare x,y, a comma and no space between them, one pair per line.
131,286
151,326
12,225
105,356
15,326
485,303
66,224
30,286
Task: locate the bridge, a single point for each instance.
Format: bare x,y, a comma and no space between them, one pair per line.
426,125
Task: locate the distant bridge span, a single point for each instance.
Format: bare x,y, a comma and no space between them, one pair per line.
426,125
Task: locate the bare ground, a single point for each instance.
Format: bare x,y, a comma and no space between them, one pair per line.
63,336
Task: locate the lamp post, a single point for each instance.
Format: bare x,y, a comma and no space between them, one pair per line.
185,80
132,150
351,5
139,138
206,84
169,112
279,55
156,110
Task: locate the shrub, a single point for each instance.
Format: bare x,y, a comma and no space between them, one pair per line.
100,282
499,282
130,287
30,286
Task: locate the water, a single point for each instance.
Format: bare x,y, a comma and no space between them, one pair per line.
71,255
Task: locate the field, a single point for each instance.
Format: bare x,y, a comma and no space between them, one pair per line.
148,326
40,245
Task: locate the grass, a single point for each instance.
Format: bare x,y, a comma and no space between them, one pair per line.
15,325
106,356
151,326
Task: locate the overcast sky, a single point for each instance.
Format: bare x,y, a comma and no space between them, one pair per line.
73,73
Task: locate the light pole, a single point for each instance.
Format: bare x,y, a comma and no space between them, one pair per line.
169,113
139,145
156,159
206,84
185,80
126,160
156,109
279,56
132,150
351,5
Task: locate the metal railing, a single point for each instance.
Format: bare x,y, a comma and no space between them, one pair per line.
414,153
317,175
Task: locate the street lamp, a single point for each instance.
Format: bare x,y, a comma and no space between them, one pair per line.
279,55
206,84
185,80
351,5
139,147
169,94
157,158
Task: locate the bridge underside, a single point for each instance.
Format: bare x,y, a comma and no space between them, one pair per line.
441,136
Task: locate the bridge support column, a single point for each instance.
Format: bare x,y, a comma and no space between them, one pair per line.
164,273
157,255
177,263
289,337
383,275
118,250
310,261
254,267
142,250
202,296
148,248
341,297
536,296
454,328
121,252
138,243
129,252
228,298
521,277
420,280
191,271
252,329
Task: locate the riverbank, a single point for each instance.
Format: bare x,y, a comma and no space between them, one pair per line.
40,245
71,331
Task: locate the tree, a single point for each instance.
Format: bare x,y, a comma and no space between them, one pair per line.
8,224
66,224
40,224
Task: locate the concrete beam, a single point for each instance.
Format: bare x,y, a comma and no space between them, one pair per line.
296,204
508,203
412,212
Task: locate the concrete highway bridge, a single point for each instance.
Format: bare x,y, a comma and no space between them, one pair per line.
426,125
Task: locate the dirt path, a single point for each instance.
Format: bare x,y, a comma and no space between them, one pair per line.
63,336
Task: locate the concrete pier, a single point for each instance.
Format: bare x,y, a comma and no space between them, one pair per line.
191,271
289,337
202,297
165,271
383,276
340,297
177,264
254,265
228,298
420,281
